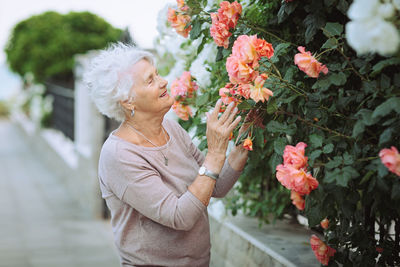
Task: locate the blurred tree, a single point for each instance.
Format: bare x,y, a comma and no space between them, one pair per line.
45,44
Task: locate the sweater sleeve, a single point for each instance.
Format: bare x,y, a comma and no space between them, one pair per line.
134,181
227,177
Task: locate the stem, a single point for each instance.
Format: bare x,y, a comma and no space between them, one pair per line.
323,52
276,69
351,65
267,32
291,87
368,158
314,125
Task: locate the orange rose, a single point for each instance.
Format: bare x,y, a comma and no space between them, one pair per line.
297,200
308,64
322,251
179,21
248,144
325,223
182,111
391,159
258,92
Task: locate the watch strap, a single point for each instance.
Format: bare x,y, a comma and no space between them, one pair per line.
210,173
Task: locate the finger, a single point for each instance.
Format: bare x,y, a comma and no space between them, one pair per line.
233,125
231,116
215,112
226,114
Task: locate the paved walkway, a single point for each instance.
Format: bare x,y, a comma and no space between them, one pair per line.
40,225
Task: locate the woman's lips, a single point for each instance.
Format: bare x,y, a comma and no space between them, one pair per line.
164,94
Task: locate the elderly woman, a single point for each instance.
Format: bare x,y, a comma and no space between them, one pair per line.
156,182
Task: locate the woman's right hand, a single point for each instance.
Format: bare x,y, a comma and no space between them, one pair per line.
219,129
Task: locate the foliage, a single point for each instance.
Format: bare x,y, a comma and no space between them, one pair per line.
346,117
45,44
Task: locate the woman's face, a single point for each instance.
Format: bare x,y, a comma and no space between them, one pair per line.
150,89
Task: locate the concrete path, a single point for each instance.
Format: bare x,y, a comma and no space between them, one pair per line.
40,225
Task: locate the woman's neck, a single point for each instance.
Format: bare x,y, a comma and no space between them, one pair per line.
149,126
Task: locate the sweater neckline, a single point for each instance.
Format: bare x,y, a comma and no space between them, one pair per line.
165,146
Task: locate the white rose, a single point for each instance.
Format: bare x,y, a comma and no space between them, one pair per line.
357,37
374,35
384,37
386,10
363,9
396,4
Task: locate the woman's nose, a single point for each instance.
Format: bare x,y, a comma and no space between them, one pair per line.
163,82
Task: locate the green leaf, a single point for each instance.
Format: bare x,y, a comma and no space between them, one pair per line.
330,43
244,106
196,30
333,29
366,116
279,50
202,99
395,191
386,107
315,154
337,160
281,127
316,140
219,54
272,107
377,68
259,136
274,160
359,128
386,136
347,158
279,145
338,79
328,148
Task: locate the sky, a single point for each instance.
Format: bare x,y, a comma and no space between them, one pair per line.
139,16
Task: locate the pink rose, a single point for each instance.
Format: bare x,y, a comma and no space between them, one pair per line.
243,90
308,64
244,49
177,89
181,110
184,86
219,31
238,71
295,155
226,93
263,48
181,5
322,251
229,13
303,182
284,175
391,159
258,92
297,200
296,179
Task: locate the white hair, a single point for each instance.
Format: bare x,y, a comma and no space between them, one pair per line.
109,80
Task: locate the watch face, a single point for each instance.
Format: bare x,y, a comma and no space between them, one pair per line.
202,170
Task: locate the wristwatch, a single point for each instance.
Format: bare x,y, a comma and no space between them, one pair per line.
203,171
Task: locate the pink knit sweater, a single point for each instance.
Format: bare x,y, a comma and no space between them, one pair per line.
155,219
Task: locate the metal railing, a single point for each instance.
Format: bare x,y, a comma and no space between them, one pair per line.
62,117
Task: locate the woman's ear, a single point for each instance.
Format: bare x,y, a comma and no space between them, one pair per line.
127,104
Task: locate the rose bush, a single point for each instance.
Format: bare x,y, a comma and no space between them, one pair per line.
323,119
